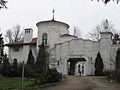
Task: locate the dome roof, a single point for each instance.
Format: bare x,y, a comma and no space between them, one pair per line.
53,21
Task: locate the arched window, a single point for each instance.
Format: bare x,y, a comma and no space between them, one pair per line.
44,38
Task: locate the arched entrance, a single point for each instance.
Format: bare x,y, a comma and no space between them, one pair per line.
76,66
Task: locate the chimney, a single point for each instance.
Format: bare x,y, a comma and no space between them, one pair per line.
28,35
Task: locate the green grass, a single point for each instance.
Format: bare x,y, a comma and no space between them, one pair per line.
12,83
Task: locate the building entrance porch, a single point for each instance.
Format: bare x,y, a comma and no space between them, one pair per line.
76,66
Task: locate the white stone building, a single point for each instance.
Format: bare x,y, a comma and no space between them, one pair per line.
68,53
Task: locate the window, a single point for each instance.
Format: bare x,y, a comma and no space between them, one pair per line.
44,38
15,49
27,31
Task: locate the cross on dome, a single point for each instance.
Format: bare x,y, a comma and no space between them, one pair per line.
53,14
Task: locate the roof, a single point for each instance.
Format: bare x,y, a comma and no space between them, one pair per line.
106,32
76,59
53,21
68,35
34,41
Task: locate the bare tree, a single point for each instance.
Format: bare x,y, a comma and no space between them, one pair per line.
8,35
15,34
3,4
105,26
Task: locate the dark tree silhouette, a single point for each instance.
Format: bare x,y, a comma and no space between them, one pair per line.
6,66
30,65
41,66
3,4
98,65
1,53
42,59
117,66
1,46
118,59
43,73
30,58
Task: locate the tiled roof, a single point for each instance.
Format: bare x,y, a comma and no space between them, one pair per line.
68,35
34,41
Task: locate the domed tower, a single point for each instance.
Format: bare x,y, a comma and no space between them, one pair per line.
49,32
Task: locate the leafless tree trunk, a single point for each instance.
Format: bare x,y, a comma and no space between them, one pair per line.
14,34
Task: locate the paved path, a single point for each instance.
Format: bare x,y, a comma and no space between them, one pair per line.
85,83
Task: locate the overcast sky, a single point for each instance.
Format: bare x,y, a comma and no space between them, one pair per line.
81,13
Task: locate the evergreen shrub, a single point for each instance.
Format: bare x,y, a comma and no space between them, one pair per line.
53,76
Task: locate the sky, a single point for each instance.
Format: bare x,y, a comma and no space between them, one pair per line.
84,14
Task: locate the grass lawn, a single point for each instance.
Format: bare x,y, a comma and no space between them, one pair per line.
12,83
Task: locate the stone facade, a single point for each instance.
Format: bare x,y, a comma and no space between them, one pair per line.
68,53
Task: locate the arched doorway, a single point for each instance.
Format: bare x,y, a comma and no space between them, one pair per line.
76,66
